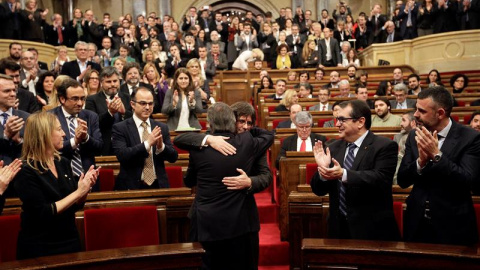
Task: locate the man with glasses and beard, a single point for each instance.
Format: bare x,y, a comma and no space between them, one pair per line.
357,172
110,105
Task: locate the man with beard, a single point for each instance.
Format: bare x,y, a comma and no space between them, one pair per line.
408,123
414,84
220,28
383,117
131,75
110,105
15,51
334,79
247,41
475,121
26,101
441,161
352,73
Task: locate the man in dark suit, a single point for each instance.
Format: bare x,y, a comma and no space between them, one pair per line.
30,72
357,172
375,22
142,145
389,34
83,139
280,86
408,14
131,75
174,61
445,16
26,101
12,122
295,41
219,58
329,50
10,19
39,64
219,27
110,105
400,91
225,217
304,140
76,69
290,123
106,53
441,161
56,34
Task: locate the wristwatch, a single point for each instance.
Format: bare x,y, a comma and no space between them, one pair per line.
437,157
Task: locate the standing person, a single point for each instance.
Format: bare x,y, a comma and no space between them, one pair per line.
142,154
441,162
33,20
182,102
329,50
225,218
357,172
10,19
50,197
7,173
76,69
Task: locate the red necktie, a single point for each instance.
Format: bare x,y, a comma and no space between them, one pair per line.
324,108
303,146
60,35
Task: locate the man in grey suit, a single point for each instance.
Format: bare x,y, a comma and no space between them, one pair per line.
219,58
329,50
323,105
246,41
401,102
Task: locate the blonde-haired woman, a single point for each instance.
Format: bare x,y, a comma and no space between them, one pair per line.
289,98
49,192
309,55
200,84
61,59
182,102
156,80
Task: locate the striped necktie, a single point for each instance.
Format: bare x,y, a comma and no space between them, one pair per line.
347,165
76,159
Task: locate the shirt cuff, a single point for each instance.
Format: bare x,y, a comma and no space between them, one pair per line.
419,169
344,176
204,141
73,144
147,146
158,151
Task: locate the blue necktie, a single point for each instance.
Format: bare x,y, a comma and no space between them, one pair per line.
76,160
5,118
347,165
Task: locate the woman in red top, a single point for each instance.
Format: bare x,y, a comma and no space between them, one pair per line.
233,28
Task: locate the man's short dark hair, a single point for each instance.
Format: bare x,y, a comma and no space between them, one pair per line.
475,113
360,86
359,109
14,43
243,108
32,50
108,72
128,66
411,116
384,100
8,64
67,83
440,96
221,118
280,80
413,75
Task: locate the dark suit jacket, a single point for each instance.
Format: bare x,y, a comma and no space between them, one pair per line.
290,144
368,190
51,35
131,153
156,107
447,185
170,68
98,104
335,50
43,232
383,36
376,27
90,148
411,103
261,175
9,150
27,101
11,21
285,124
445,19
72,69
404,17
219,213
299,45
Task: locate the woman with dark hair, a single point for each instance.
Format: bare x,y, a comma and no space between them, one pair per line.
303,78
283,60
44,88
49,192
434,78
459,82
182,102
362,79
384,88
351,59
426,18
265,83
201,39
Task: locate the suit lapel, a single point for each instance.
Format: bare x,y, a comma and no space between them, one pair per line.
63,122
133,131
339,154
363,150
451,140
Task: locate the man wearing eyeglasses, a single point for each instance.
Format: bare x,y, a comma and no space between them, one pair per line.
83,139
304,140
357,172
142,146
12,121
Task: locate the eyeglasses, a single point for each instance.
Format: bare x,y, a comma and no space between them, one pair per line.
94,78
304,128
76,99
342,120
143,103
243,122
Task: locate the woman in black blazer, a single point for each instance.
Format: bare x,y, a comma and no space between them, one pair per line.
50,194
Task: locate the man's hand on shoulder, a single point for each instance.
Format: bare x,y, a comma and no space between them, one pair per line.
220,144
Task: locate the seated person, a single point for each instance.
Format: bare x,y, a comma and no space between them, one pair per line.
335,108
290,123
290,97
305,90
304,140
475,120
323,105
383,117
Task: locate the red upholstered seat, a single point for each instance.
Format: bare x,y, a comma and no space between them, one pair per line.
271,108
277,121
106,179
121,227
455,117
477,212
203,124
175,176
321,121
9,228
398,212
310,171
466,119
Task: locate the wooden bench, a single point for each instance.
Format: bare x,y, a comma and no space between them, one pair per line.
363,254
168,256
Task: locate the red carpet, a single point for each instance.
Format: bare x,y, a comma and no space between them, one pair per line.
274,254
